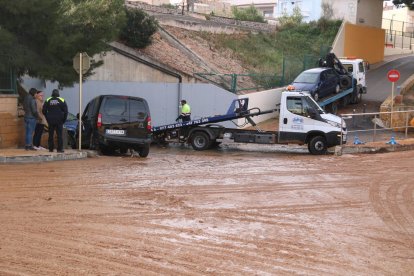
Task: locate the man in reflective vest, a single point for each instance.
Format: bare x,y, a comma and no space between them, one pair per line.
56,113
185,115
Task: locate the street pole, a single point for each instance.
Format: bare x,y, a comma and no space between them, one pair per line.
80,101
392,102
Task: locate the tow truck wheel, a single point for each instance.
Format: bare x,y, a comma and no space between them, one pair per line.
200,140
317,145
357,97
144,150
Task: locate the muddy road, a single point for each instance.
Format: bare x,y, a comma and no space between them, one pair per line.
231,212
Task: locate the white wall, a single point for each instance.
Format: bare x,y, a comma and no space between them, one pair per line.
310,9
163,98
369,13
345,9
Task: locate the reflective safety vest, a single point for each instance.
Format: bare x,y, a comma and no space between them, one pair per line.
186,110
62,99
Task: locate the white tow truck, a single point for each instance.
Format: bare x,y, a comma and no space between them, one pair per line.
352,73
301,121
358,68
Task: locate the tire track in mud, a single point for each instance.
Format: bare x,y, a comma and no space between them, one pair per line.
137,217
393,203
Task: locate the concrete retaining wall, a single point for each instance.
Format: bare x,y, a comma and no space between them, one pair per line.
163,98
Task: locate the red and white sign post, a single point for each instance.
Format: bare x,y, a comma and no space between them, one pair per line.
393,76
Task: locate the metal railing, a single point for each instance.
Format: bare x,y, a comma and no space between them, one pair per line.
379,125
237,83
398,33
8,84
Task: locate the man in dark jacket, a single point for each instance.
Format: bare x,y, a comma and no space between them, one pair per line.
30,116
55,110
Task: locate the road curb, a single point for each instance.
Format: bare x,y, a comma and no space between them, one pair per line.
43,158
372,149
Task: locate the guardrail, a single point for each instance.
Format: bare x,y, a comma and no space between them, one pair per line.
387,125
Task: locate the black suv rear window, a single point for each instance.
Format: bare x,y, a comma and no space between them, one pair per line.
137,109
115,107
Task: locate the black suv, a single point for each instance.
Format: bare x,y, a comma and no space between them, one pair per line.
113,122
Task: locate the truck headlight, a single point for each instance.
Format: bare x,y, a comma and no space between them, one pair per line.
334,124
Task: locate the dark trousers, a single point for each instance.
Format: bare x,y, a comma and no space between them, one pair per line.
59,129
184,118
37,136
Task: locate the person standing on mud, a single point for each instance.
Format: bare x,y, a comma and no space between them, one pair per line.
30,117
56,111
185,115
40,123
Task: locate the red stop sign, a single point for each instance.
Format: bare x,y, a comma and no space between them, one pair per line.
393,75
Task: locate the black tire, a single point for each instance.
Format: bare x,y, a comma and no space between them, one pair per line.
106,150
200,140
317,145
345,82
357,97
144,150
346,100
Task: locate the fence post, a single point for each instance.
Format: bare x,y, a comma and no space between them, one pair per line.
233,83
342,127
406,124
395,33
353,118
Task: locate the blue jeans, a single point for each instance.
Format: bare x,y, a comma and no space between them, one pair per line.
30,124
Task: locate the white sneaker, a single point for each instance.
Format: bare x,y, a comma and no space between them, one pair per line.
36,148
41,148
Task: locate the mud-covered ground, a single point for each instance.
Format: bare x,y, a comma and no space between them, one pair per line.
231,212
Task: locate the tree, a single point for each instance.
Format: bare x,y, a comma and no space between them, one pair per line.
327,10
408,3
41,37
138,29
288,21
248,14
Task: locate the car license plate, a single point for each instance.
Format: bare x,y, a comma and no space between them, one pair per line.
115,131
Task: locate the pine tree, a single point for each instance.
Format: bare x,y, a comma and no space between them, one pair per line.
41,37
408,3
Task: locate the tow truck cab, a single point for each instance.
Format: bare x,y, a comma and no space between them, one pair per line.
303,121
358,68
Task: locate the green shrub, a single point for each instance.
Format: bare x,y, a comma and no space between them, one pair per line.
264,53
290,21
139,28
248,14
